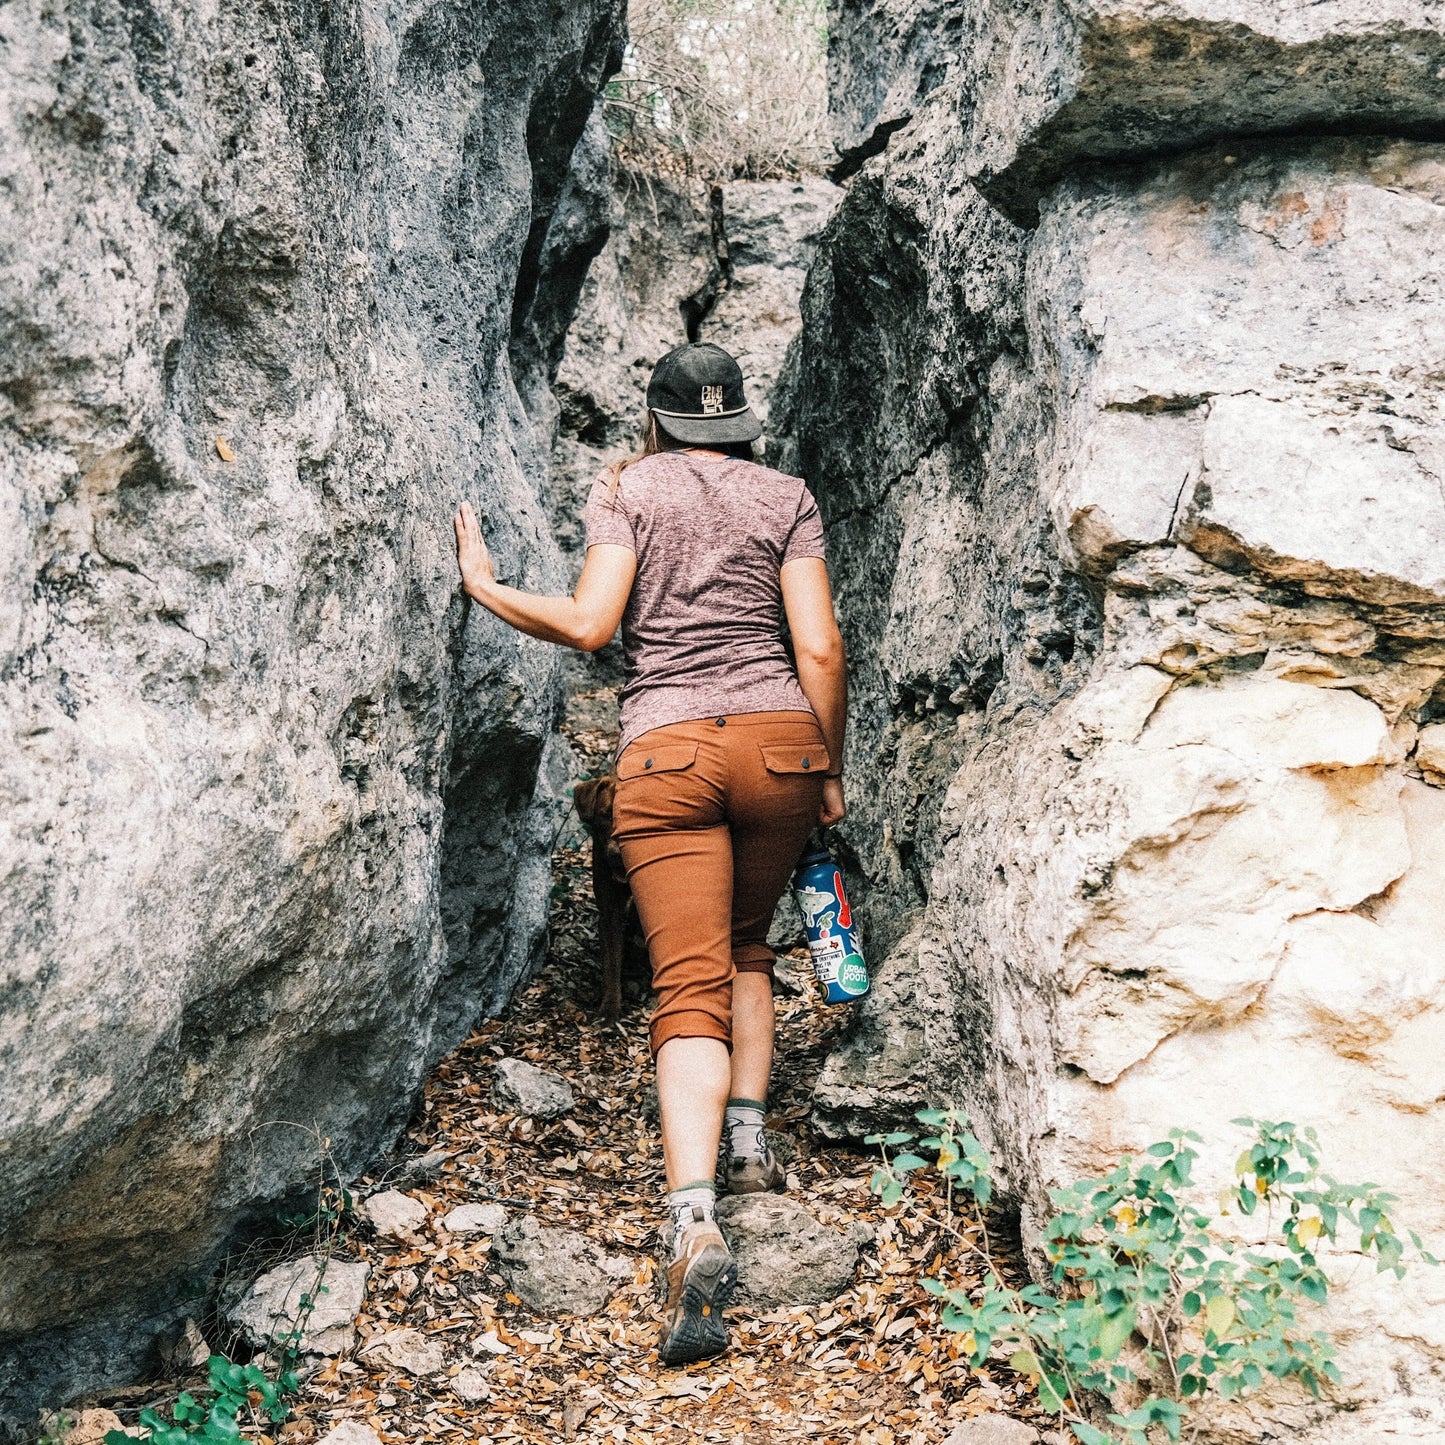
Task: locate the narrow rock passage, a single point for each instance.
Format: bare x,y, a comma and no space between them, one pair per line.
448,1350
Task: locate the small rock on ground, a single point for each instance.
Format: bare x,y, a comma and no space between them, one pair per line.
469,1385
425,1167
407,1350
270,1308
476,1219
786,1255
350,1432
86,1427
993,1430
558,1271
523,1088
393,1213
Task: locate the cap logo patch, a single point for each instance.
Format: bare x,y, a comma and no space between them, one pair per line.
712,400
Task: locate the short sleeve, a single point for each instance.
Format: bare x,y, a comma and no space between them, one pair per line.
605,518
806,538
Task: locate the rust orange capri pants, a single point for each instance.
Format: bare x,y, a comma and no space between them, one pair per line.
711,818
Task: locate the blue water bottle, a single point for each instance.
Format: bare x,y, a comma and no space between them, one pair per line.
831,927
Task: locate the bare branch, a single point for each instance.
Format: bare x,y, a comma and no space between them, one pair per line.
721,89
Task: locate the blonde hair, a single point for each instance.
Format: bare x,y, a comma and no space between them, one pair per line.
655,439
652,443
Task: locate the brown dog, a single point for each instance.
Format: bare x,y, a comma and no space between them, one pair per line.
615,910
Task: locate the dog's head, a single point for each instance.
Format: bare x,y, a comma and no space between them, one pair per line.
594,802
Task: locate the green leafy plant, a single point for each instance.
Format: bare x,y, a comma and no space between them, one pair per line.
1152,1297
248,1395
236,1390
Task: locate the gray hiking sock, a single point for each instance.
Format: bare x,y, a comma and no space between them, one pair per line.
692,1204
744,1124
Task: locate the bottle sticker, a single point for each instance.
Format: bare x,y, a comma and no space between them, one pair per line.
819,909
845,914
828,956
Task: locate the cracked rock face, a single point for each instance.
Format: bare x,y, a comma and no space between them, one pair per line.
1135,516
1241,346
1051,84
273,827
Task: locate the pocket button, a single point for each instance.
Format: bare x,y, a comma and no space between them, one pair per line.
722,722
648,763
806,765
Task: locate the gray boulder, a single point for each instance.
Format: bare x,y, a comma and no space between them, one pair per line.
558,1271
276,801
274,1305
786,1255
523,1088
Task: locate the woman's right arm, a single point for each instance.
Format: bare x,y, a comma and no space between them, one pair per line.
586,620
822,666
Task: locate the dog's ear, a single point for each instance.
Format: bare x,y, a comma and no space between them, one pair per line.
593,798
584,798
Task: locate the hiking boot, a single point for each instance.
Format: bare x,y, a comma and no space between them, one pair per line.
700,1281
756,1176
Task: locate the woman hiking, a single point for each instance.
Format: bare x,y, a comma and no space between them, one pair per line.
729,756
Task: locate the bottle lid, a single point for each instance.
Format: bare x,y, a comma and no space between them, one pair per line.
821,856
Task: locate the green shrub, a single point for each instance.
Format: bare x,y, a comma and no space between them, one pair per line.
234,1389
1152,1297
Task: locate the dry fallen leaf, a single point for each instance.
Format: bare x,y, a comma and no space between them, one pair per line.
832,1374
223,450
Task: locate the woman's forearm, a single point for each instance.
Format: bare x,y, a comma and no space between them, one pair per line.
553,619
586,620
824,680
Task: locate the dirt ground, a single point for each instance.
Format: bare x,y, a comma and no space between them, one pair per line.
873,1366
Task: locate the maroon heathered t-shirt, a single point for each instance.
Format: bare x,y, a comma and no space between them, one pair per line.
702,633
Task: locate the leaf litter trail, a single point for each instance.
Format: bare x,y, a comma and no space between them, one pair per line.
873,1366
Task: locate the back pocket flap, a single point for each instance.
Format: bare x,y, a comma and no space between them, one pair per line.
668,759
796,758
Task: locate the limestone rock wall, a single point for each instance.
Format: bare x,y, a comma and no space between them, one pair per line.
274,814
1126,422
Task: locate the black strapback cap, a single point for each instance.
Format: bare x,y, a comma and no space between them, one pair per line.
697,393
